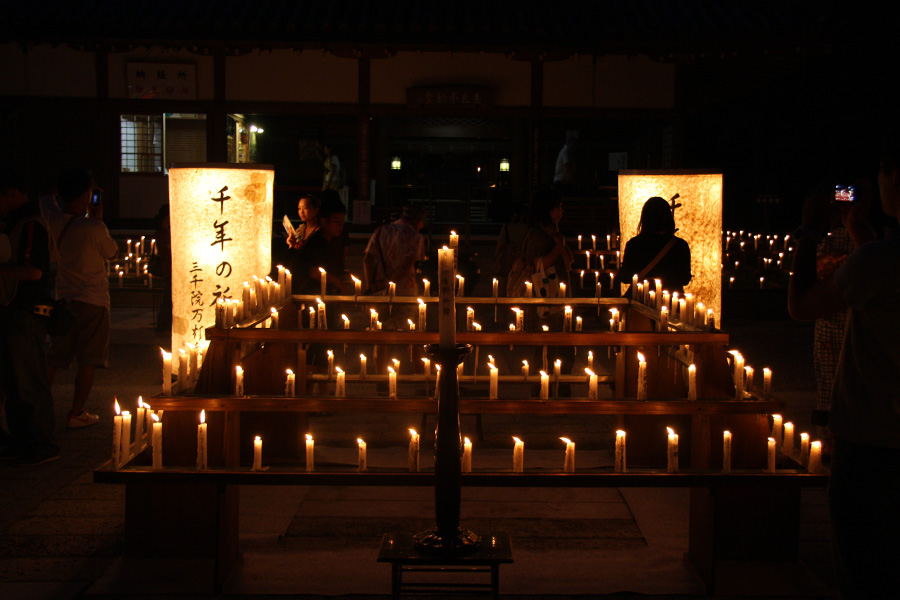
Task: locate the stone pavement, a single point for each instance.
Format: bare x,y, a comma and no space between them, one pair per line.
61,535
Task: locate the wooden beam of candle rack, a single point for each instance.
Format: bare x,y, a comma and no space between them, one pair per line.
467,405
464,300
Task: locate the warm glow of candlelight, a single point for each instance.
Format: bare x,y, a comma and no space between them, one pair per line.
640,357
118,409
154,417
203,416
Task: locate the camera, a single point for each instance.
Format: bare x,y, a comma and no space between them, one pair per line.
844,193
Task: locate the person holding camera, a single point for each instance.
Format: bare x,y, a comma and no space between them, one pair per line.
75,218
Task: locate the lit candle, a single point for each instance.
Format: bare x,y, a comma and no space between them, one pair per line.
156,442
620,466
392,289
804,449
520,318
594,242
688,315
634,287
788,445
815,458
470,318
461,289
642,377
357,285
373,319
581,279
312,317
446,303
454,240
748,378
579,242
426,288
202,465
362,367
777,429
320,309
289,384
562,290
494,381
340,389
413,451
664,319
392,383
362,459
557,370
118,425
578,324
426,367
166,373
692,382
770,456
569,463
767,383
238,381
652,301
310,454
257,454
496,286
587,260
738,374
591,360
567,319
525,369
128,245
545,386
672,455
274,314
421,314
139,424
412,326
467,456
726,452
592,384
682,308
518,456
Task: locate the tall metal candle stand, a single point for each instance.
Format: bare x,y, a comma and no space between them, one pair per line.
448,537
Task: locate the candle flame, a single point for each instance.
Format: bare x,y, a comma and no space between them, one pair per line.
289,372
362,357
391,369
329,354
257,439
154,417
589,372
452,232
726,432
372,311
620,432
140,401
640,357
804,436
771,440
692,367
517,440
545,327
360,441
319,301
492,367
116,404
544,374
412,432
274,311
355,280
321,270
182,352
344,317
338,369
466,441
459,276
203,416
239,369
566,441
268,279
411,324
421,302
525,363
165,355
309,437
671,431
767,371
558,362
312,310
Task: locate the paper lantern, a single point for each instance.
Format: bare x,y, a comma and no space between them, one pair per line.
221,219
699,221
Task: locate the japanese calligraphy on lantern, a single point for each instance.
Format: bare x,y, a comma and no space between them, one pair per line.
221,218
161,80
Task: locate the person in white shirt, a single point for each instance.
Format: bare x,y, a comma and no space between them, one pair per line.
75,218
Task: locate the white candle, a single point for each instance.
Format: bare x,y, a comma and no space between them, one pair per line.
815,458
274,312
726,452
494,381
413,451
579,242
738,374
592,384
357,285
125,450
748,378
362,367
587,260
562,290
591,360
412,326
804,449
289,384
594,242
392,383
634,287
121,279
156,441
340,389
421,314
672,454
518,456
426,288
788,445
620,466
567,319
312,317
454,240
767,383
362,459
525,369
461,286
692,382
528,289
496,287
777,429
139,423
322,317
202,464
569,463
118,426
578,324
642,377
392,289
238,381
545,386
688,309
446,303
467,456
167,372
770,456
310,454
470,318
257,453
664,319
520,318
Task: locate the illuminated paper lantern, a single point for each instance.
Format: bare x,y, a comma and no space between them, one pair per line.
699,221
221,219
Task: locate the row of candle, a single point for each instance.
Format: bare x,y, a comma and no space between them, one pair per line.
771,241
186,368
743,377
147,430
670,306
610,242
140,248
